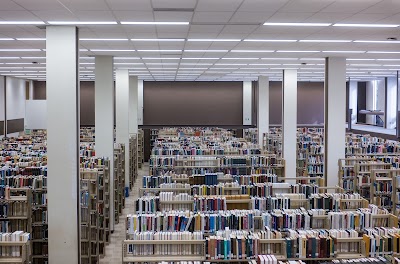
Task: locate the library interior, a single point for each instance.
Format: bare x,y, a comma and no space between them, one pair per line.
199,131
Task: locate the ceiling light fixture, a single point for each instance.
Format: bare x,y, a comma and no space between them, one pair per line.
82,22
343,51
153,23
205,50
325,41
298,24
165,39
205,58
22,23
254,51
384,52
146,58
365,25
298,51
270,40
240,58
378,41
33,39
103,39
17,50
216,40
159,50
110,50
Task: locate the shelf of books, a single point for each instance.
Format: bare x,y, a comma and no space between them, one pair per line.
133,162
140,148
119,180
14,247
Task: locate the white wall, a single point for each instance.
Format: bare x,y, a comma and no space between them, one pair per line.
36,114
391,102
15,98
353,100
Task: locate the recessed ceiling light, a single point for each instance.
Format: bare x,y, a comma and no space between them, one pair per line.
22,23
126,58
270,40
325,41
265,64
279,58
205,50
103,39
365,25
111,50
160,50
227,64
29,39
17,50
205,58
128,63
313,59
378,41
9,58
298,51
82,22
153,23
360,59
384,52
155,58
6,39
343,51
388,59
159,39
240,58
254,51
193,64
298,24
216,40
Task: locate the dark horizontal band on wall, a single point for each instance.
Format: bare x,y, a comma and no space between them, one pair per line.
1,128
15,125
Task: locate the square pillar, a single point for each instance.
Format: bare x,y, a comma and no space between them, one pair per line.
335,117
133,105
263,108
62,57
122,116
140,102
247,96
104,117
289,123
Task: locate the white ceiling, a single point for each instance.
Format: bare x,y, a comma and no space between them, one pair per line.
209,19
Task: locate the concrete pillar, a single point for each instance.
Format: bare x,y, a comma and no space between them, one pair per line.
62,51
263,108
335,117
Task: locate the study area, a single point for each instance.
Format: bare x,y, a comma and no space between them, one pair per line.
199,131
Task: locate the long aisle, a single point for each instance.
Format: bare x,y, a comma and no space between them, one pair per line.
114,249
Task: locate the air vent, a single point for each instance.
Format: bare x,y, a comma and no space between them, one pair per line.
173,9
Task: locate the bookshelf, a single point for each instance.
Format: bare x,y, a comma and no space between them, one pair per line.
396,193
133,162
89,216
16,209
119,180
140,148
15,251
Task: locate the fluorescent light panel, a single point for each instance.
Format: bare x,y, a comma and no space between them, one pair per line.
365,25
33,39
298,51
298,24
111,50
157,39
82,22
21,23
325,41
103,39
216,40
153,23
270,40
159,50
253,51
205,50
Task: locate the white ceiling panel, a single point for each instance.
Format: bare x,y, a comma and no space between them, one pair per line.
173,3
251,17
205,28
178,35
137,5
306,5
239,29
17,15
10,5
173,16
145,16
95,15
365,18
290,17
94,5
39,4
219,5
54,15
205,35
384,7
327,17
258,5
212,17
350,6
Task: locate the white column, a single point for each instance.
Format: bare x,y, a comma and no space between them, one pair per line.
133,105
335,117
122,115
140,102
104,117
263,108
353,100
247,87
289,122
391,102
62,57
